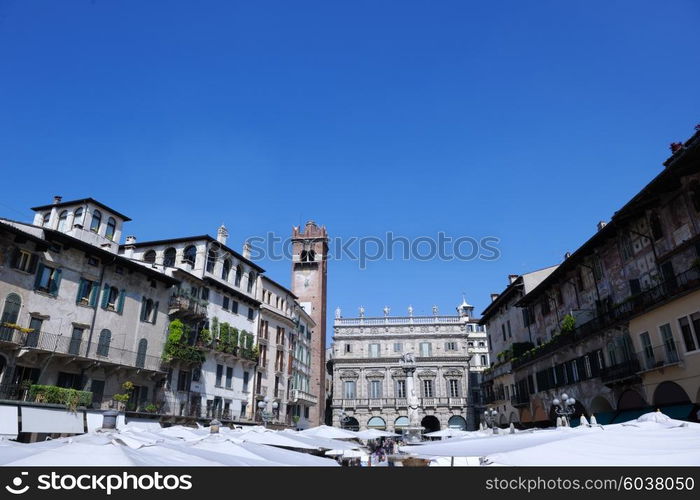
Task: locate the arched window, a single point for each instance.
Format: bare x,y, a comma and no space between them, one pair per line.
10,314
169,257
111,228
251,281
150,257
62,220
47,217
376,423
141,353
190,256
78,217
308,256
211,260
103,343
239,275
96,221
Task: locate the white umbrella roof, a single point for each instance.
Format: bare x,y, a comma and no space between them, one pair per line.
482,446
650,440
272,438
447,433
374,434
325,431
321,443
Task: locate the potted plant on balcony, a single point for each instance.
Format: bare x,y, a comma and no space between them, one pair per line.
123,398
568,324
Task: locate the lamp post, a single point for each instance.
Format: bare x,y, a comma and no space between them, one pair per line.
564,408
490,419
266,415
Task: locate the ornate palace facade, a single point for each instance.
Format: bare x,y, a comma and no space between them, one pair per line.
369,386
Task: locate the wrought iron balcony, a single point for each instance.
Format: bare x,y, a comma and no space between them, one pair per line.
654,358
303,397
187,307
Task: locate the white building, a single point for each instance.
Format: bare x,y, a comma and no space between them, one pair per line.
218,306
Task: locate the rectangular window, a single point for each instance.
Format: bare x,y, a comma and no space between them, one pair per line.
635,287
225,304
400,388
626,248
375,389
87,292
183,381
398,346
24,261
687,334
483,360
426,349
695,321
246,378
229,377
374,350
349,392
234,307
75,340
219,374
427,388
454,388
251,314
35,325
48,279
647,351
670,343
205,294
450,346
510,333
348,347
503,331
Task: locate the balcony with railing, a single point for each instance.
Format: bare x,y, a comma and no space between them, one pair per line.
620,372
79,349
303,397
184,306
657,357
632,306
398,320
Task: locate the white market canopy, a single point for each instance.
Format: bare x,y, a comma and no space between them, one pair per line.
374,434
325,431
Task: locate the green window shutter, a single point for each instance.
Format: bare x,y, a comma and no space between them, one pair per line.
94,294
55,282
105,296
39,272
155,312
120,301
81,290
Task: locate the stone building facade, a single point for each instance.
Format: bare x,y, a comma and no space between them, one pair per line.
75,314
369,386
509,336
180,320
614,325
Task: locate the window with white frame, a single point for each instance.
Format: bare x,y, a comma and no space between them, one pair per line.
454,388
375,389
427,388
349,389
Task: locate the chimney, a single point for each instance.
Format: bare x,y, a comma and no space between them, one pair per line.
494,296
129,243
222,234
512,278
57,199
568,254
246,250
602,224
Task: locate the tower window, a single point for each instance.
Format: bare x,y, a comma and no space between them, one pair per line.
308,256
96,221
111,228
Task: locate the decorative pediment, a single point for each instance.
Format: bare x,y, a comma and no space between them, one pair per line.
452,373
398,374
349,374
427,374
374,374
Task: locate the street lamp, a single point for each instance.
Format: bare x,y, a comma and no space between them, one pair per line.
265,415
490,419
564,408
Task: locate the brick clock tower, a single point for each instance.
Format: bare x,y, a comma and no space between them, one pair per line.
309,270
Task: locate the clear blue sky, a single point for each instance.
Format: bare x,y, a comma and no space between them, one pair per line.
529,121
